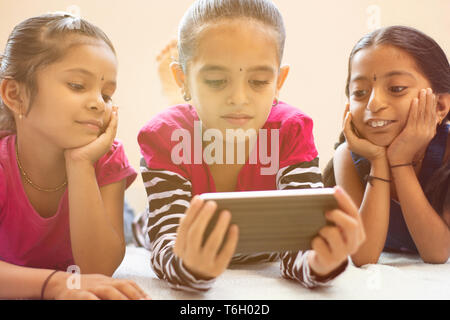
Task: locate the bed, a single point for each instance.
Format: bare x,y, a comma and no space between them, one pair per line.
396,276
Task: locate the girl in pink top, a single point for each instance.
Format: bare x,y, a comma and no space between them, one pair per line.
62,174
230,72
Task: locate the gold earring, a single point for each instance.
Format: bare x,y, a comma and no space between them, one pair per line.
186,97
275,102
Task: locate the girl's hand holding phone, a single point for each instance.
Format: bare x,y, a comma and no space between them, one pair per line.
335,243
206,260
419,130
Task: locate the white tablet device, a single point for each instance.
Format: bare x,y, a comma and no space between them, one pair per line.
274,221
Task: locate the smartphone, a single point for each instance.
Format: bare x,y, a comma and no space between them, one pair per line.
276,220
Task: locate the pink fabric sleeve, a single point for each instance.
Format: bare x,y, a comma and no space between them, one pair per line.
156,148
114,166
297,141
2,188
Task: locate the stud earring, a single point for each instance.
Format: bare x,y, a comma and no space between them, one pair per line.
20,113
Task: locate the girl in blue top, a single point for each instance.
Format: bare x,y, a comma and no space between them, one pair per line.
396,130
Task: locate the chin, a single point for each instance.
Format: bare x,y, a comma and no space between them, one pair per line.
81,142
381,142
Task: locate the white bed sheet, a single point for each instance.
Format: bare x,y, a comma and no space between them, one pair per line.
394,277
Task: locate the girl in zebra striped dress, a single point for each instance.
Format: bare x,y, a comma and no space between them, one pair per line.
229,73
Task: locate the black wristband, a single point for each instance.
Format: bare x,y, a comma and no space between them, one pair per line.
46,282
404,165
370,178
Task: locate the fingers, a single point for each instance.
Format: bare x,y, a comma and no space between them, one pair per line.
130,289
185,224
216,237
431,109
143,294
198,226
423,113
347,109
348,219
421,109
108,292
77,295
413,113
204,259
320,246
111,130
348,130
434,116
345,202
335,241
350,229
229,248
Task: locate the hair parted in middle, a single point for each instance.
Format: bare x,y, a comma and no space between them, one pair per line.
203,12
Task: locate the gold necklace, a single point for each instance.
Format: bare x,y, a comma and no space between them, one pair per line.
31,183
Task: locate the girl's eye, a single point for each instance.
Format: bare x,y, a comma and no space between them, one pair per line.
359,93
107,98
75,86
216,83
397,89
258,83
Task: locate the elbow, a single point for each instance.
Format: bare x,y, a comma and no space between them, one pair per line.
360,261
115,262
438,258
105,265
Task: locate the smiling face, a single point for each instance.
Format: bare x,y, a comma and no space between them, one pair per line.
233,77
384,81
73,101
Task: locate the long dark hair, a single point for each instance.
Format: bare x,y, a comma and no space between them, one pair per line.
433,63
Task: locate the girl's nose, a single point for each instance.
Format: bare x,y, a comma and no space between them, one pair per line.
238,96
375,103
97,104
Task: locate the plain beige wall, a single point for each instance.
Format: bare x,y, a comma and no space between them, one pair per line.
320,35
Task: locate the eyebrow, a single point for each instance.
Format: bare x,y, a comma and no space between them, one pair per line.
210,67
387,75
398,73
88,73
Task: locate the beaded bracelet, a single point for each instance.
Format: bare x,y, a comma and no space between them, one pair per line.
46,282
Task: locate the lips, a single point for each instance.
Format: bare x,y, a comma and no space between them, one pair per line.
93,124
237,118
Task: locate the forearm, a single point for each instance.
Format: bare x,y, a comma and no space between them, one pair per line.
96,246
169,195
374,211
18,282
428,230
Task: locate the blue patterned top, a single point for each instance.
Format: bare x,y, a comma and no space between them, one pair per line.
398,236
